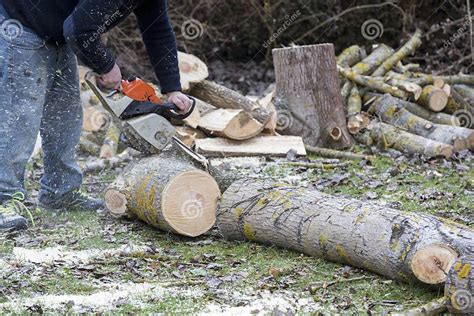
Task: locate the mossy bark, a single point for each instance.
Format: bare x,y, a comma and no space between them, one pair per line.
373,83
418,110
225,98
140,192
350,56
388,136
390,110
359,233
459,286
406,50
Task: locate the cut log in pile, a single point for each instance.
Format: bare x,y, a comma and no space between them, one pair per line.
412,111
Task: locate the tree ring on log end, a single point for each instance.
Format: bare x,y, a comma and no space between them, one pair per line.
116,202
431,263
189,202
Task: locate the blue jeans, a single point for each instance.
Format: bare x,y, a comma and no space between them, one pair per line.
39,92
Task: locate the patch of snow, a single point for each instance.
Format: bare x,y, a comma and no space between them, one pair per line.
50,255
264,303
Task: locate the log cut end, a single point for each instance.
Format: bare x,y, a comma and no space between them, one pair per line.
431,263
191,69
189,202
116,203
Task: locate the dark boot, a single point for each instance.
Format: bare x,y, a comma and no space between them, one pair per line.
73,201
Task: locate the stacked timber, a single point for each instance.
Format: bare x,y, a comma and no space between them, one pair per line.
430,111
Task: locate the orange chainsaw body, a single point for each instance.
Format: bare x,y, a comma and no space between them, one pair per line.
138,90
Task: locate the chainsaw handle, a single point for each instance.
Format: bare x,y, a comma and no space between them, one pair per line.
172,110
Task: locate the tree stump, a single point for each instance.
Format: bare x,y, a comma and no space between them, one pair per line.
308,97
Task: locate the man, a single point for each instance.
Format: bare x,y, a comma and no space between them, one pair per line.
39,88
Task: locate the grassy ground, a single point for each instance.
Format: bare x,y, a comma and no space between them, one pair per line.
210,274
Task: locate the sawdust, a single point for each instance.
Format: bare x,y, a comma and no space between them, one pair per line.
53,254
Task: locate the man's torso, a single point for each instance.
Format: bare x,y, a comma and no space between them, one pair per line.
46,17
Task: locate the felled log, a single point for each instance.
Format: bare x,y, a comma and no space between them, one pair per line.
316,113
405,246
191,70
232,124
407,86
456,103
433,98
426,79
367,66
350,56
111,142
391,111
373,83
354,106
418,110
277,146
400,67
406,50
225,98
466,92
459,286
167,192
388,136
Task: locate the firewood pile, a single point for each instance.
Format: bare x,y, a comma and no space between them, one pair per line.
396,105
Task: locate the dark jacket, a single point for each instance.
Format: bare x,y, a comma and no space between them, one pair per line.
81,22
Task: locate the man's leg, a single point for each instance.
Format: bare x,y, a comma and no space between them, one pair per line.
24,63
23,86
60,130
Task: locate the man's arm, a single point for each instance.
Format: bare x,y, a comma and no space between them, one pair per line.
160,42
83,28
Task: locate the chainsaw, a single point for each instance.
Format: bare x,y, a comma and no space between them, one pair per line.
142,116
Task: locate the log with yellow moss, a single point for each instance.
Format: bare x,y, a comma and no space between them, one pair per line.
391,111
387,136
168,192
459,286
403,246
406,50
